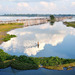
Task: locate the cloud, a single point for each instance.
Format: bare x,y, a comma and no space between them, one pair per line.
37,7
49,6
34,50
23,4
52,4
0,6
44,3
27,38
73,3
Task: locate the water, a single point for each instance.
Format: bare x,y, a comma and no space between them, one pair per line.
8,18
40,71
54,40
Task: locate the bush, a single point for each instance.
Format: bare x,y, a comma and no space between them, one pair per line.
3,55
23,66
5,64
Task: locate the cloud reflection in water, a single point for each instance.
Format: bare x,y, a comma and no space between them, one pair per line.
28,38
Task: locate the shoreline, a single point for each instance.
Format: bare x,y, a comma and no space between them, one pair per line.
29,63
70,24
7,27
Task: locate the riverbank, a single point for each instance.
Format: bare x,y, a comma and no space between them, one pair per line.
28,63
70,24
4,28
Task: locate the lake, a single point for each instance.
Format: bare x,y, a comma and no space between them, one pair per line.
40,71
43,40
54,40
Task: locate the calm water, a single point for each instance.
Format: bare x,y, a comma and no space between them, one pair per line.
40,71
6,18
54,40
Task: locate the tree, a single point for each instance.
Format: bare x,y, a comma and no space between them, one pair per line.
52,17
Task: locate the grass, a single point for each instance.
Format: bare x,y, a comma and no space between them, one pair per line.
60,67
70,24
26,66
23,66
5,64
8,37
7,27
54,67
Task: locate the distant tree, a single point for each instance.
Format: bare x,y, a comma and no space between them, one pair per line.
52,17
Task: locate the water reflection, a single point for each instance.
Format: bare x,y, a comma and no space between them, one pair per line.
42,40
40,71
52,22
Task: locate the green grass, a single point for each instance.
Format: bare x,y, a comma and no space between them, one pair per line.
8,37
5,64
27,63
13,24
7,27
70,24
23,66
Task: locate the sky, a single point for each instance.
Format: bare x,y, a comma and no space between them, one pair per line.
37,7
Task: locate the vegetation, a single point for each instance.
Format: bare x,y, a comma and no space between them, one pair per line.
34,15
23,65
52,22
70,24
7,27
52,18
27,63
8,37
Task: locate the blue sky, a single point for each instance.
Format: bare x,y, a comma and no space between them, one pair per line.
37,7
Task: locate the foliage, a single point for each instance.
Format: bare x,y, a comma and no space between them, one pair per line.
23,66
70,24
3,55
26,63
5,64
8,37
7,27
52,17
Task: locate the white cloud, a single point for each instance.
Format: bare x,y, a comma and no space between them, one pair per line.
73,3
0,6
34,50
23,4
27,38
53,5
48,6
44,3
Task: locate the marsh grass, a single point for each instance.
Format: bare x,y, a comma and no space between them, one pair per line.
27,63
70,24
8,37
7,27
5,64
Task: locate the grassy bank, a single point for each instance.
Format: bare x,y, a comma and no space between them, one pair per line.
70,24
4,28
27,63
